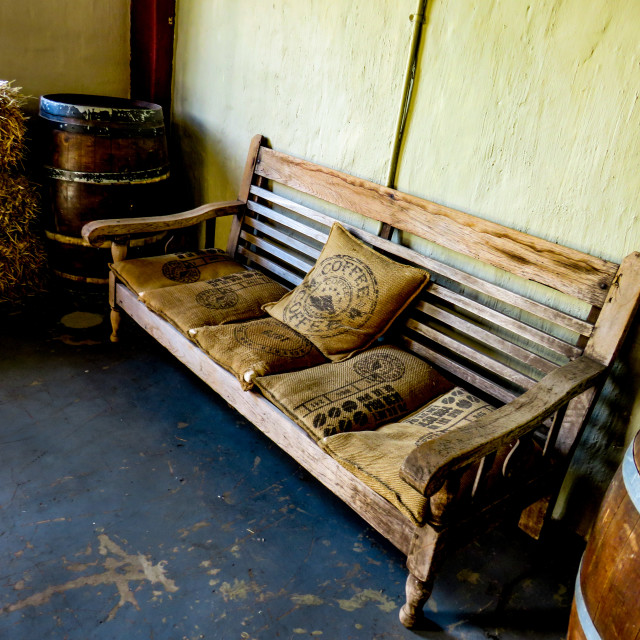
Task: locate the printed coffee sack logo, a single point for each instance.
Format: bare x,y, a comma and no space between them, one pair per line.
186,268
273,337
341,295
382,367
223,292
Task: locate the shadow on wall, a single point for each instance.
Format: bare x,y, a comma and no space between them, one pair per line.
191,150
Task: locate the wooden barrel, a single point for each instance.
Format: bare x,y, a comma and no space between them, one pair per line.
103,157
606,604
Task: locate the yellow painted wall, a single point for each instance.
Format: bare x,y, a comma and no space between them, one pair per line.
71,46
321,79
525,113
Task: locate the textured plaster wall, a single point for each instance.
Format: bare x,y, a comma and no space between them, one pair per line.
322,80
525,113
75,46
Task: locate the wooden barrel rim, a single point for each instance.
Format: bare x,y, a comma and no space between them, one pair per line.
83,107
588,628
85,279
631,475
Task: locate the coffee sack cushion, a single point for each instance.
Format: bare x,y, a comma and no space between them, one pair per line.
144,274
374,387
257,348
350,297
238,296
376,456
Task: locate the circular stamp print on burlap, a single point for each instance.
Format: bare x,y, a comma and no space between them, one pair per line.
277,339
380,367
217,298
178,271
341,295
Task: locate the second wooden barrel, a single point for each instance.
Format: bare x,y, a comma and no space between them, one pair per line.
606,605
103,157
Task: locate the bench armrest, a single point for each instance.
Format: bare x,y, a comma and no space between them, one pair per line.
427,466
98,231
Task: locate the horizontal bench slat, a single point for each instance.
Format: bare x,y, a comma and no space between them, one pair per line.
506,322
287,222
572,272
486,337
280,253
474,379
300,209
271,266
478,358
272,232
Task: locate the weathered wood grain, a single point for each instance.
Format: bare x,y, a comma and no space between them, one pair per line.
575,273
619,310
98,231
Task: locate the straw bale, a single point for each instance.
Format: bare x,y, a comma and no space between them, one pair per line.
23,261
12,127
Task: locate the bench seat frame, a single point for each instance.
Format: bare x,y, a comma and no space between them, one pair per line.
557,403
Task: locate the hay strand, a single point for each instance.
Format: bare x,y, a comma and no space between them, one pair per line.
23,261
12,127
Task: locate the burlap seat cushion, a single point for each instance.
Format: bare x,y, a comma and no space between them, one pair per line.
144,274
257,348
350,297
377,386
376,456
238,296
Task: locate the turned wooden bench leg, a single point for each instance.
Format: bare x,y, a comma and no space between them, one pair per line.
423,562
118,252
418,592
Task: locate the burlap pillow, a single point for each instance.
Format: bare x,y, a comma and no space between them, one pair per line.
144,274
350,297
238,296
382,384
376,456
257,348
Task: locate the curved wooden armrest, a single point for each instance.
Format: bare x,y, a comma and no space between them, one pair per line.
98,231
427,466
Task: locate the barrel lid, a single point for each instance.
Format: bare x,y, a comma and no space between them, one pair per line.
100,108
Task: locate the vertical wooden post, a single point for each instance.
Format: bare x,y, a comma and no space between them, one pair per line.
152,29
119,249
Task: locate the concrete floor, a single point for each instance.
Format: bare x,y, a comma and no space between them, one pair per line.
134,503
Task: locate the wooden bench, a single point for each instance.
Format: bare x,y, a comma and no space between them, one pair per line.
530,324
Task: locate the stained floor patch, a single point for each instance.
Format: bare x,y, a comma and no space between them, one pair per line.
119,569
81,320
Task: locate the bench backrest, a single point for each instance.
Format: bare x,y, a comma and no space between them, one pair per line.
473,321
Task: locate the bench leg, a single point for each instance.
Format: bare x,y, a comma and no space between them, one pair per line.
422,562
118,252
115,314
418,592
